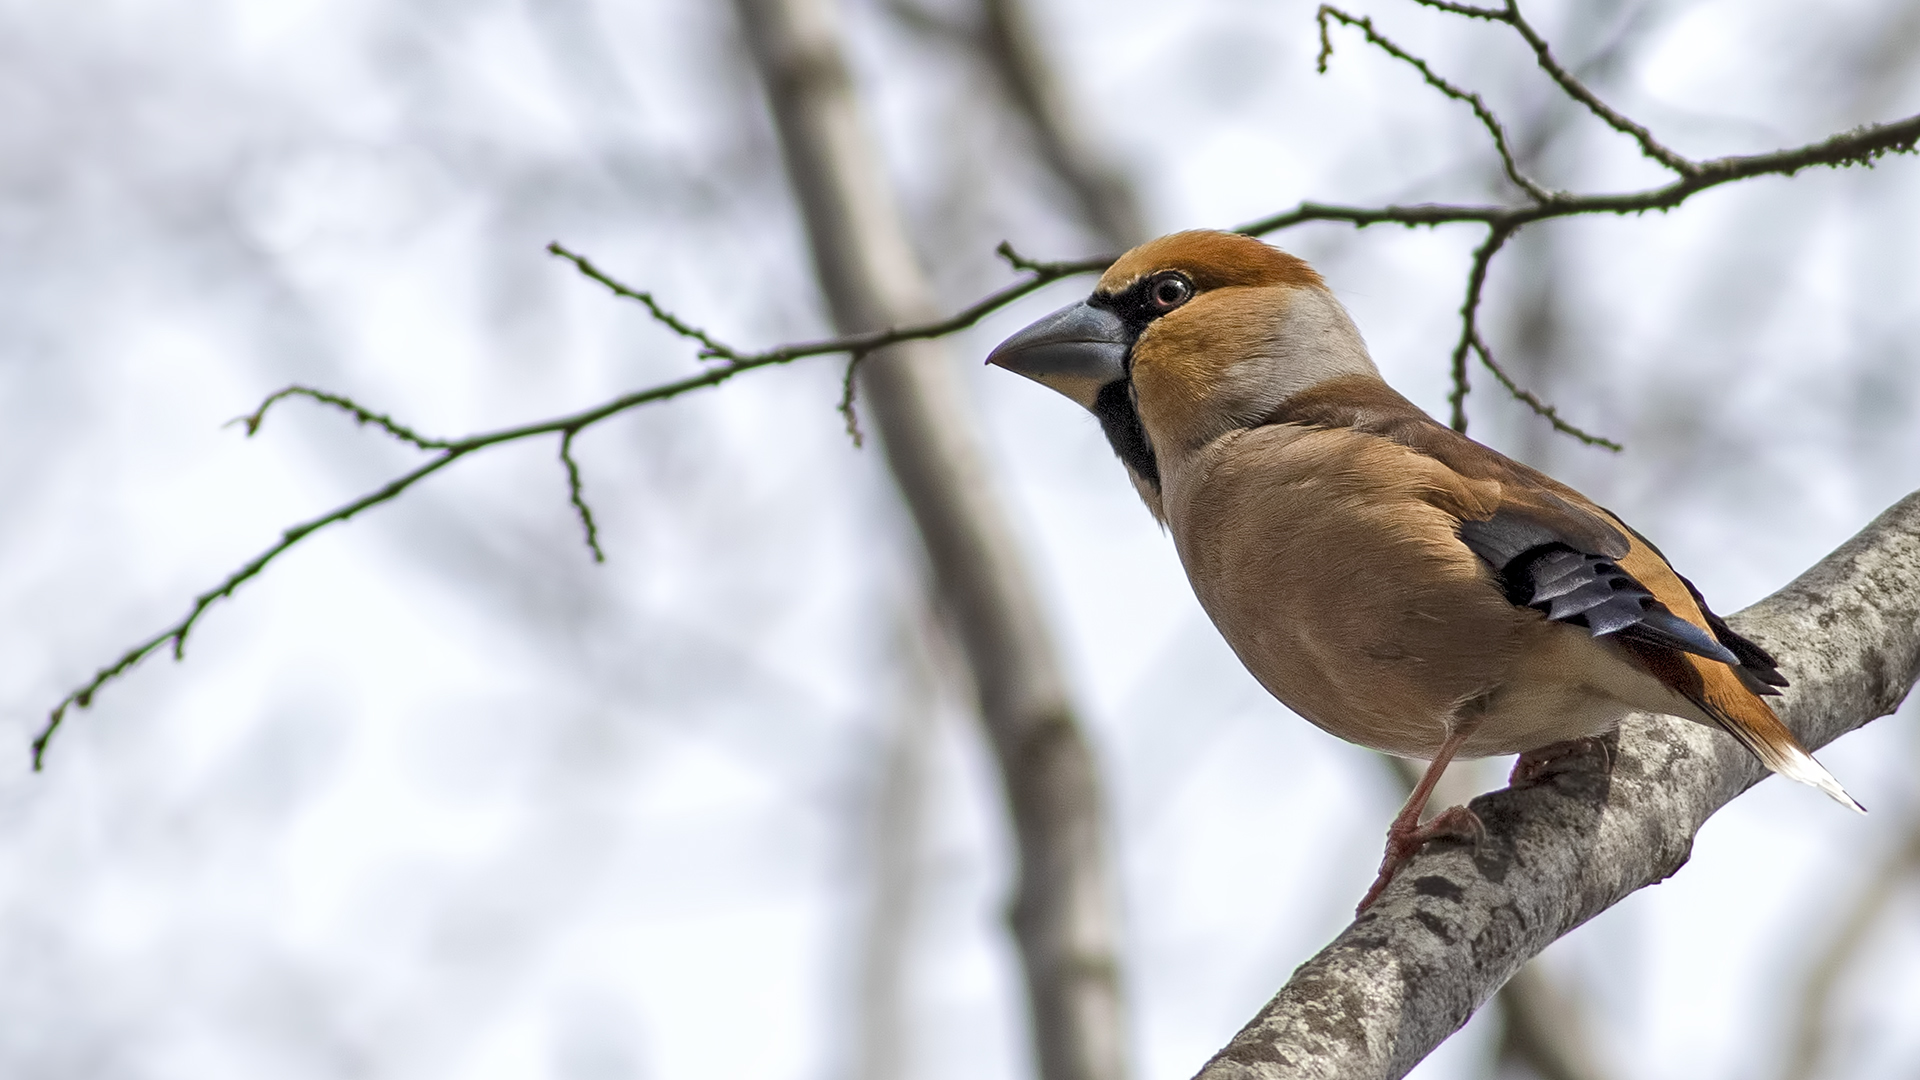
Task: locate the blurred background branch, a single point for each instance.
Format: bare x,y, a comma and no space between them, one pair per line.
1062,912
1001,36
1808,1054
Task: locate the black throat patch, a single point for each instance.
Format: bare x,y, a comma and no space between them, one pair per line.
1128,437
1119,417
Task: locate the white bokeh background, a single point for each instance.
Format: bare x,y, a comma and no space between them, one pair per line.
439,797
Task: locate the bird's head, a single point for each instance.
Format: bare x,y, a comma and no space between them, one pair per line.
1186,338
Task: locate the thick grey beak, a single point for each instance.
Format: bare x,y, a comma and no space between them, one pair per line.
1076,350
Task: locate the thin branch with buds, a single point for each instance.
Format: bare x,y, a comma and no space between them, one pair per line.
446,451
1328,14
1861,146
1575,89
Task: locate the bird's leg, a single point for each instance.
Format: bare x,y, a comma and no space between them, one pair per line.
1406,835
1555,758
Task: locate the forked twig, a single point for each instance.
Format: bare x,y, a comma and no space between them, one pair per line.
1487,119
1574,88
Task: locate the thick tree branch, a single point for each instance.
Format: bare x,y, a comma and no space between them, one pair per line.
1543,1028
1459,920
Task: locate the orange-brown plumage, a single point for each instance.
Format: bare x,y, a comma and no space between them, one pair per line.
1391,580
1214,260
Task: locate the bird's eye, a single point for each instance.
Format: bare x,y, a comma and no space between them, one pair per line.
1171,291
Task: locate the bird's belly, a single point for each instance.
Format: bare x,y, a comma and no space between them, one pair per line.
1345,589
1566,684
1374,664
1400,692
1538,716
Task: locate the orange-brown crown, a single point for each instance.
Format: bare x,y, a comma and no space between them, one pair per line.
1212,259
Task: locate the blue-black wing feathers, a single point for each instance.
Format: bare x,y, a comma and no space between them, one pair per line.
1537,568
1757,670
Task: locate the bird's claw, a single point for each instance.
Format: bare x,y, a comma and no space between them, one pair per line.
1453,823
1556,758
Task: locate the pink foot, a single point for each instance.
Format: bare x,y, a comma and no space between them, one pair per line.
1457,822
1555,758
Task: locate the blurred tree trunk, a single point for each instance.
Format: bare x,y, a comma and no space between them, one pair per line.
1062,917
1001,38
885,1050
1105,198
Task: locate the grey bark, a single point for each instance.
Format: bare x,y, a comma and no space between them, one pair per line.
1544,1027
1460,919
1062,916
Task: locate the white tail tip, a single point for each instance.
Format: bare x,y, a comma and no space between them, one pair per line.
1799,765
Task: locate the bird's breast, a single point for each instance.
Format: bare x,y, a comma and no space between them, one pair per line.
1327,561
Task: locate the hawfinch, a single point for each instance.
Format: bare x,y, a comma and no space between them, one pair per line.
1389,579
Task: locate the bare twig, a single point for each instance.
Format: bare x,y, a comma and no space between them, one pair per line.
734,362
1861,146
361,415
849,390
579,500
1532,401
1575,89
709,348
1858,147
1487,119
1040,275
1470,321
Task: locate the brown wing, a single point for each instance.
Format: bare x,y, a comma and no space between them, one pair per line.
1549,547
1552,549
1528,497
